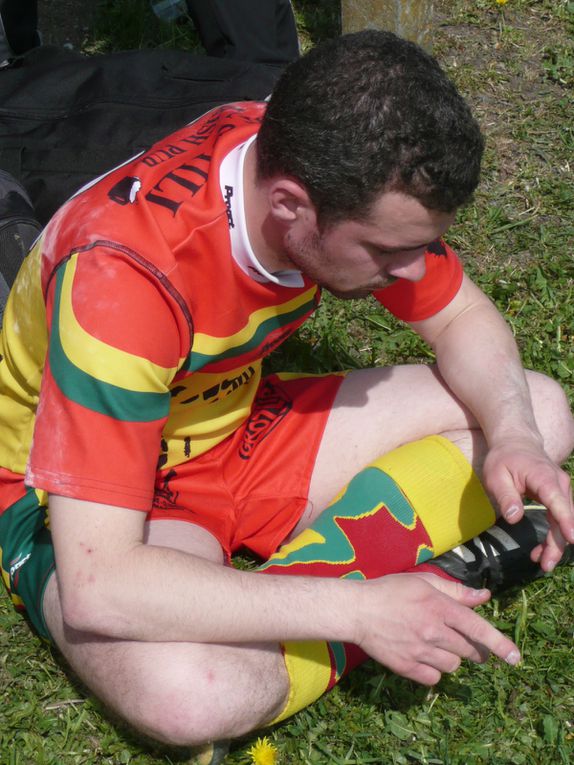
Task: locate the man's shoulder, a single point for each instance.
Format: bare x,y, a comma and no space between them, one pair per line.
168,173
217,122
147,210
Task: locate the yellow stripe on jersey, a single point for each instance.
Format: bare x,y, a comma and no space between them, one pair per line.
100,360
260,322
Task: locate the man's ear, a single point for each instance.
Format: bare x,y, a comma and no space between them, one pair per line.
289,201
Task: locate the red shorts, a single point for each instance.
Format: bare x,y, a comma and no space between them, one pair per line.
251,489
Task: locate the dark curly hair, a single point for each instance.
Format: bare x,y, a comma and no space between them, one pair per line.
366,113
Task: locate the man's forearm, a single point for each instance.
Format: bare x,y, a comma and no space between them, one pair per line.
111,583
487,375
161,594
479,361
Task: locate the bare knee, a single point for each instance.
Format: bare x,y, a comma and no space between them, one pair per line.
553,415
183,694
228,693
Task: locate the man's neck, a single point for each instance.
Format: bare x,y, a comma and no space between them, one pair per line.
264,235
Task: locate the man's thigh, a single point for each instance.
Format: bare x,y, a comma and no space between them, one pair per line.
375,411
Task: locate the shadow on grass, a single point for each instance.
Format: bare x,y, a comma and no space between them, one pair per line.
374,685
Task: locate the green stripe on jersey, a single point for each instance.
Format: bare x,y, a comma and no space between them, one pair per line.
85,389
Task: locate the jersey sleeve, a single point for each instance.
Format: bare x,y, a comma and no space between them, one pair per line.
114,347
416,301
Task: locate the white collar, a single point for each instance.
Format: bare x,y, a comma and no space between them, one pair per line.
231,184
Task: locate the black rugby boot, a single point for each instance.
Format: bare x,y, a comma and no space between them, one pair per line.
499,558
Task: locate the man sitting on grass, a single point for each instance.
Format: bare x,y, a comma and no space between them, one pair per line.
141,447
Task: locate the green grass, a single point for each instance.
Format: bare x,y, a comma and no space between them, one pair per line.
516,66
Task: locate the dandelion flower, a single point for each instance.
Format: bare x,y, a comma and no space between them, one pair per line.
501,2
263,752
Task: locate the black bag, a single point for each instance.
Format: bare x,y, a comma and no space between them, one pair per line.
66,118
18,230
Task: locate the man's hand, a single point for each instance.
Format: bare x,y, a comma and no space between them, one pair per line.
424,625
518,468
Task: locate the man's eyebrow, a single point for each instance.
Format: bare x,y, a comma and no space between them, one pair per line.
391,250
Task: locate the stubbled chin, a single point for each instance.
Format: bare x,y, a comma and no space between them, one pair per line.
351,295
358,293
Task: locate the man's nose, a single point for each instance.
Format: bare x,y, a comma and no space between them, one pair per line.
409,266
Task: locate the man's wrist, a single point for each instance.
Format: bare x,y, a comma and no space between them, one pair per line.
341,606
512,434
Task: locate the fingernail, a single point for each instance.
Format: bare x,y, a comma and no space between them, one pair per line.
478,594
550,566
513,658
512,512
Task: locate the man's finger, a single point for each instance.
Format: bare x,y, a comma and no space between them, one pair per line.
480,655
423,674
461,618
560,505
444,661
510,505
552,548
454,642
466,596
536,553
479,631
507,496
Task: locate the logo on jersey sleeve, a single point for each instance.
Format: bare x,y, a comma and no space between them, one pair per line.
125,191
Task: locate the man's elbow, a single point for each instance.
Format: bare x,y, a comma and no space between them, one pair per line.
85,609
